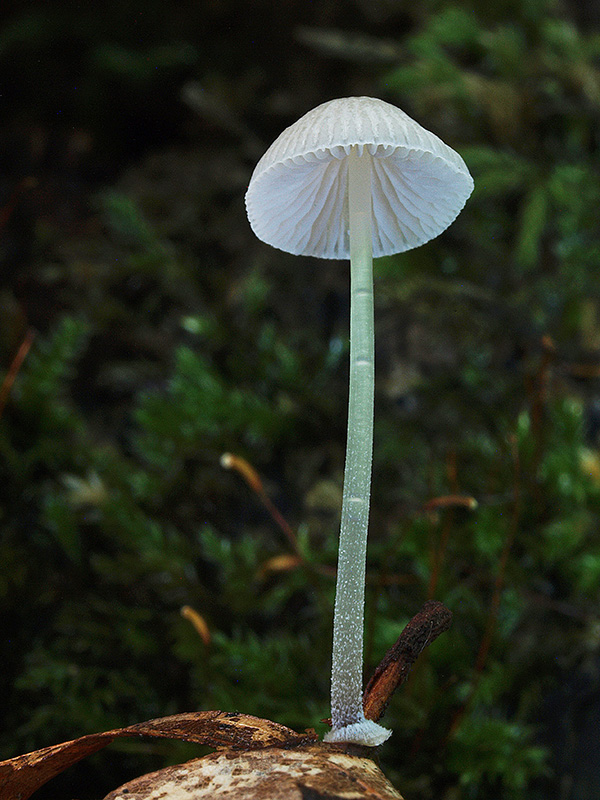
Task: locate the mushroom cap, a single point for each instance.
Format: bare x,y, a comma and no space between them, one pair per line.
297,199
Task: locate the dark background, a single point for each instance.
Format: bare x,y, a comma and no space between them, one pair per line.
163,334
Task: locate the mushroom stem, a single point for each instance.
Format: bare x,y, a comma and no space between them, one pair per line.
346,675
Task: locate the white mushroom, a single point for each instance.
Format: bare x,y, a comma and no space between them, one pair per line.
355,178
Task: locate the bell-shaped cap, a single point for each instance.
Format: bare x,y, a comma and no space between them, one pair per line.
297,199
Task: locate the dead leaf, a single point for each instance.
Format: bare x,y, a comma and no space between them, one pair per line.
221,729
318,771
23,775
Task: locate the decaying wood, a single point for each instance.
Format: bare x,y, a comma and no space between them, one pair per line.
310,772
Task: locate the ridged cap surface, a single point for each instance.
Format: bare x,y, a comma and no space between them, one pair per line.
297,199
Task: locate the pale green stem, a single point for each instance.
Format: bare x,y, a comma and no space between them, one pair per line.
347,665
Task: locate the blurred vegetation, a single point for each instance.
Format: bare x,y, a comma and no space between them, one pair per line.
163,335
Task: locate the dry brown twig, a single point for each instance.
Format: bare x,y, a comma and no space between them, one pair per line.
423,629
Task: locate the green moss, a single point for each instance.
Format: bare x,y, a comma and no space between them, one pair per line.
167,336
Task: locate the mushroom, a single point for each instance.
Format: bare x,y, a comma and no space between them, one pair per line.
355,178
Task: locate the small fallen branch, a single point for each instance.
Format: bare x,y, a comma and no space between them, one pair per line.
423,629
